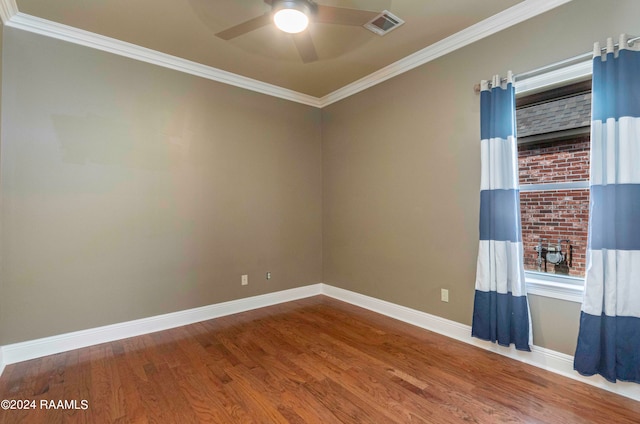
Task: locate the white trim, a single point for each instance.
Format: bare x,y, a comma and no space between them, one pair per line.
505,19
569,185
568,74
556,290
547,359
8,8
424,320
548,285
85,38
24,351
540,357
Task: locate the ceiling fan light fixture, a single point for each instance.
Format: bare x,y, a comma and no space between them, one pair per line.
291,16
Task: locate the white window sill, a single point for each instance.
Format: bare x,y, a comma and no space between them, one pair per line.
554,287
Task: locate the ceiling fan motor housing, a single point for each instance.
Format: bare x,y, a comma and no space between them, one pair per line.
294,16
305,6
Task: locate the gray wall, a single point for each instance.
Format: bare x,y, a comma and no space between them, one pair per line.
129,190
401,166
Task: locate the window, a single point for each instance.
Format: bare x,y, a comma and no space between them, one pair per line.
553,158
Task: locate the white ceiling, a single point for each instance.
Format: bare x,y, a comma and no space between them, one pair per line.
180,34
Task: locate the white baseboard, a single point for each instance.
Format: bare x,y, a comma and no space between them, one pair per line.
547,359
540,357
32,349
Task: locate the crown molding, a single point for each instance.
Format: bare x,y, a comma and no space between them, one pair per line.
100,42
496,23
505,19
8,8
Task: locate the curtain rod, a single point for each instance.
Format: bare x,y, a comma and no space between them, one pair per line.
560,64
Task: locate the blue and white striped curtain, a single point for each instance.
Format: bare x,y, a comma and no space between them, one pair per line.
609,337
501,310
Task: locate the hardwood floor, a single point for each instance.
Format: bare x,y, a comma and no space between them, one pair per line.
316,360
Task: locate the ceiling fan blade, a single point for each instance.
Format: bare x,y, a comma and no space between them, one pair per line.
245,27
305,46
343,16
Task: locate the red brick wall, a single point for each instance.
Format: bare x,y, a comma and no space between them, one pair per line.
555,214
553,162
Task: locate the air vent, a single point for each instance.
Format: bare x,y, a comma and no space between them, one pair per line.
383,23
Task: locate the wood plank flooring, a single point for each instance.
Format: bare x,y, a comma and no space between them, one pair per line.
316,360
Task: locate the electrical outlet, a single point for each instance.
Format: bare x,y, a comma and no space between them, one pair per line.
268,276
244,280
444,295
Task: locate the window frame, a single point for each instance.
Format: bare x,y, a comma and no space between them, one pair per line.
563,287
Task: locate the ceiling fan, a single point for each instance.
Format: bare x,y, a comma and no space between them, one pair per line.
300,12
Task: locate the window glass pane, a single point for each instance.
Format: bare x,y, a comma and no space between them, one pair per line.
555,115
554,162
549,216
554,221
